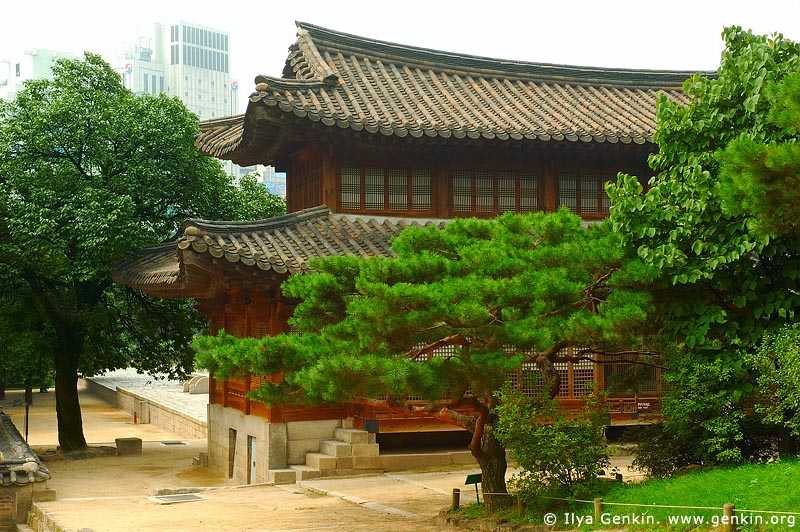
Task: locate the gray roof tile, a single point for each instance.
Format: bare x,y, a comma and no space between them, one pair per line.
350,82
282,245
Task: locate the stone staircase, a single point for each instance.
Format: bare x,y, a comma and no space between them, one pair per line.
352,452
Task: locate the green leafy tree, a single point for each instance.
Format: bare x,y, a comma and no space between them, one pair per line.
722,284
251,200
560,453
25,340
88,174
778,363
447,320
759,173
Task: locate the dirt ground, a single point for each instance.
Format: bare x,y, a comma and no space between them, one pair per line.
109,493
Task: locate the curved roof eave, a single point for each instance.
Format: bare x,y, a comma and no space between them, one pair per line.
342,81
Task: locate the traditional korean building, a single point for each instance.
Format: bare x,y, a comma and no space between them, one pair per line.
374,137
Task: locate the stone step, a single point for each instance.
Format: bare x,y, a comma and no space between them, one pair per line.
335,448
366,449
352,435
368,462
305,472
320,461
354,472
281,476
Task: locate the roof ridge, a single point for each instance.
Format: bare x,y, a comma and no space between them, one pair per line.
288,84
451,62
195,226
311,63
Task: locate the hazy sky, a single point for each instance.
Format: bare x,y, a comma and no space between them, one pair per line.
673,34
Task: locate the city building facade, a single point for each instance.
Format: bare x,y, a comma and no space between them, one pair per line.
18,68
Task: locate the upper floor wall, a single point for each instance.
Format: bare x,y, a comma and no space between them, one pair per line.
451,182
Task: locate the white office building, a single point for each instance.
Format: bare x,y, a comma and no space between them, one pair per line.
18,68
185,60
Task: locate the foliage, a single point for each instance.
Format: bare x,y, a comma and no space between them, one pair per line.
250,200
778,363
474,301
560,453
758,174
721,284
25,339
89,173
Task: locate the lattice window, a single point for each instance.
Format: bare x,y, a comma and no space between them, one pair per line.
528,193
398,190
484,192
506,192
351,188
583,194
444,351
234,326
582,378
491,192
380,189
623,375
374,191
258,328
257,381
590,194
568,192
421,190
531,382
462,192
605,201
563,378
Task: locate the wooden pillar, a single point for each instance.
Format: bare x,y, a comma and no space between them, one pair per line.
550,187
329,179
441,196
599,374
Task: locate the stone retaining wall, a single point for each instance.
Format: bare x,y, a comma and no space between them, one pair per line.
148,412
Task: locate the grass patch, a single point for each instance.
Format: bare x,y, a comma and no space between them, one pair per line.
749,487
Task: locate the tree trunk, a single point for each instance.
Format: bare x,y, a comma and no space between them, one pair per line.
788,445
68,408
491,456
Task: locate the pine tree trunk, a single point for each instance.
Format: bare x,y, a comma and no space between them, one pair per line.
68,408
491,456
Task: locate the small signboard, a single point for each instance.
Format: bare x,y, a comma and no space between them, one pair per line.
475,478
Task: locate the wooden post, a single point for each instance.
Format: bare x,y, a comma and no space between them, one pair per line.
520,505
456,503
727,518
598,508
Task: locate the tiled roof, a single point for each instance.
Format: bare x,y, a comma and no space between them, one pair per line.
19,465
155,266
282,246
354,83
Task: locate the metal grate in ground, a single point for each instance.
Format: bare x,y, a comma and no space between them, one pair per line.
172,499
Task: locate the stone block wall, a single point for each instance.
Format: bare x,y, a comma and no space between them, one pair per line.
270,440
7,513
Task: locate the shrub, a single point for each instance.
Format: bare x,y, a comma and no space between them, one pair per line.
560,453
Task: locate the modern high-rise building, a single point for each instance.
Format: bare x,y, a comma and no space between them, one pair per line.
275,182
185,60
16,69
